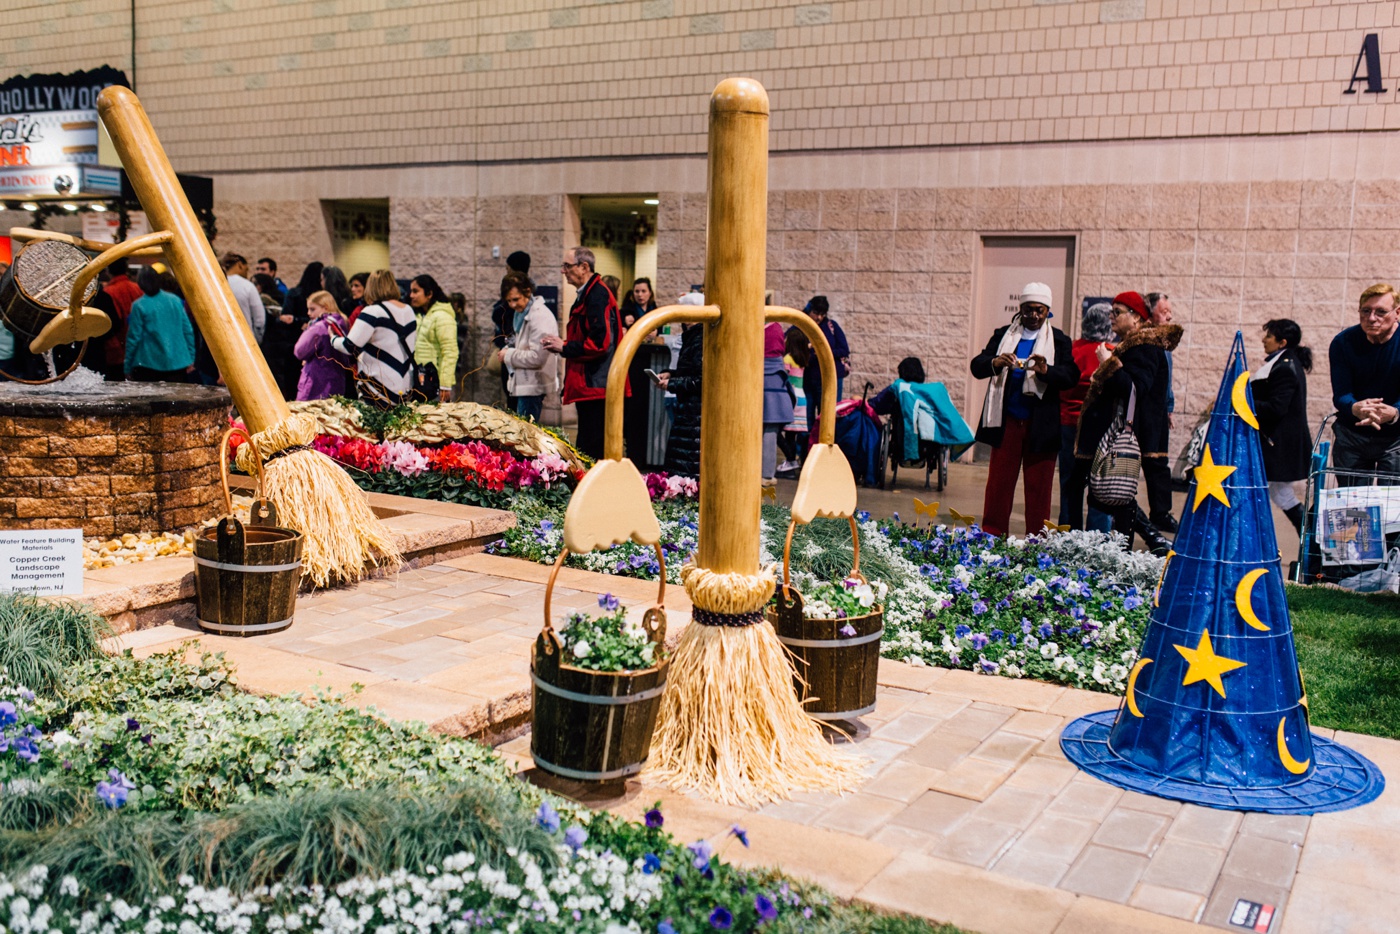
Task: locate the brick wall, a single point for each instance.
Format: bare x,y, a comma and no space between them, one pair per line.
263,84
110,474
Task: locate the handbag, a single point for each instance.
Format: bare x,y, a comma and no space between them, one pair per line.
1113,475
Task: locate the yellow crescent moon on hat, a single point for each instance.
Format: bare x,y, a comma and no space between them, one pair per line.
1243,598
1284,756
1241,403
1132,685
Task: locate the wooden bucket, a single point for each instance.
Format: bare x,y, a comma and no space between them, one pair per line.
246,577
594,726
36,287
836,672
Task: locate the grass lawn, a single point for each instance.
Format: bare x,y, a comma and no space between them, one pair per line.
1349,651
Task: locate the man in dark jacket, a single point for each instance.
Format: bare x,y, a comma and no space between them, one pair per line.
1028,362
1365,364
593,331
683,445
819,310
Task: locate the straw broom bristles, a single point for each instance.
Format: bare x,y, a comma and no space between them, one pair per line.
317,498
730,724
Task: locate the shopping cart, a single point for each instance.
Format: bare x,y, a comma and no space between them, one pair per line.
1351,518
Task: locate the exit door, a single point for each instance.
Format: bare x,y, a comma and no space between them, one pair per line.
1005,263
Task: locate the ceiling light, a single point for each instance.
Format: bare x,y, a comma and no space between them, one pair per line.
650,201
70,206
30,206
97,206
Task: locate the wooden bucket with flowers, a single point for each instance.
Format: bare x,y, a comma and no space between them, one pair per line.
596,684
246,577
834,636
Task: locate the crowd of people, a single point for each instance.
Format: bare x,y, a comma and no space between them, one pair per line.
1051,401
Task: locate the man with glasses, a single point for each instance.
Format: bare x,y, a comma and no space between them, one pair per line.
1156,472
593,331
1365,365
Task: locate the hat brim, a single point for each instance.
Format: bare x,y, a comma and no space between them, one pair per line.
1342,779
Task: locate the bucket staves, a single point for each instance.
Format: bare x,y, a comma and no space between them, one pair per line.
594,726
246,577
837,672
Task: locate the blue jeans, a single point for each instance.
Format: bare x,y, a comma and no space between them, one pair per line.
840,389
529,406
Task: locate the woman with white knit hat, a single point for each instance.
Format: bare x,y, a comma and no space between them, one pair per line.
1029,363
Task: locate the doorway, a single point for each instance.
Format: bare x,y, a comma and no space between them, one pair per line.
359,229
621,232
1005,263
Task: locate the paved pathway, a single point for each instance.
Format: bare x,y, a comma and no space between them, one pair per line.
970,813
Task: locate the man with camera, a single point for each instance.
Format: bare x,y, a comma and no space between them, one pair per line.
1028,363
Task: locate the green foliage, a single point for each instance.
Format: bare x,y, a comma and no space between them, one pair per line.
384,423
607,642
319,838
39,640
1349,654
188,739
454,488
31,807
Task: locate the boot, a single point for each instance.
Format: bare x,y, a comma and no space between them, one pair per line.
1295,515
1166,522
1156,542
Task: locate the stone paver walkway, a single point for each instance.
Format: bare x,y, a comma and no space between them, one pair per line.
970,814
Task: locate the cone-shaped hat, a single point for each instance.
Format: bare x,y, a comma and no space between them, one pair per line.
1216,711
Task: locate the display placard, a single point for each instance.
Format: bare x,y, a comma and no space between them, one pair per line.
47,562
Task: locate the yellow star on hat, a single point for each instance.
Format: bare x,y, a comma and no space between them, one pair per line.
1204,665
1210,480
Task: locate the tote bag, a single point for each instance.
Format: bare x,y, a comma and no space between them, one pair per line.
1113,475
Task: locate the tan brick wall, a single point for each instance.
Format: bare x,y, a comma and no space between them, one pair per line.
260,84
898,265
110,474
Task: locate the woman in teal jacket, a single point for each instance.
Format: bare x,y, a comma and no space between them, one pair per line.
159,336
437,332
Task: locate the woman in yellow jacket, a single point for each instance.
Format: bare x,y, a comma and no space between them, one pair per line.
437,331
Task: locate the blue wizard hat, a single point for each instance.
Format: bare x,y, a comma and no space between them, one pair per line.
1216,712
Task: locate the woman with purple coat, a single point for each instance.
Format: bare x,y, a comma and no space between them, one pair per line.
324,371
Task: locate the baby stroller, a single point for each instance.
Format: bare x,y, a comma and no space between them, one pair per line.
863,439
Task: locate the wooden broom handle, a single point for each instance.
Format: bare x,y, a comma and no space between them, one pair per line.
622,360
826,427
559,563
223,465
220,320
855,552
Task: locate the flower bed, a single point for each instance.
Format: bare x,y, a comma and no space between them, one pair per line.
1070,608
153,796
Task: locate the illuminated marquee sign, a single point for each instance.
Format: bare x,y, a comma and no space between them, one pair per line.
51,120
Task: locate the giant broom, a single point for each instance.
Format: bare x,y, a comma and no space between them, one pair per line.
312,494
730,725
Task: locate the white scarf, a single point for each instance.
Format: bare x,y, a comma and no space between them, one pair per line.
1263,371
1031,385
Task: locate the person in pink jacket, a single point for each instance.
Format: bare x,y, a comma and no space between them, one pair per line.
324,371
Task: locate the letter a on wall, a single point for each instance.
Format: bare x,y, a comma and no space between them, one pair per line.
1371,57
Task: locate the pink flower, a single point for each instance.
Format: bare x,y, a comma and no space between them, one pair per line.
404,458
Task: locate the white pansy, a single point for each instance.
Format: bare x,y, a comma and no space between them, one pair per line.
582,648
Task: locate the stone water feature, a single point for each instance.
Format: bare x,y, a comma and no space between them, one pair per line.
109,457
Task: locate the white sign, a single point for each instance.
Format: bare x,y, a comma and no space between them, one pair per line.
102,228
47,562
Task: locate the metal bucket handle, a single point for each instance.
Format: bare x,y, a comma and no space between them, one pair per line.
262,512
654,621
855,554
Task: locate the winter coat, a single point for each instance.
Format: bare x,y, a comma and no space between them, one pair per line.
159,335
1139,361
533,371
595,325
1043,430
1281,405
683,448
323,371
437,342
